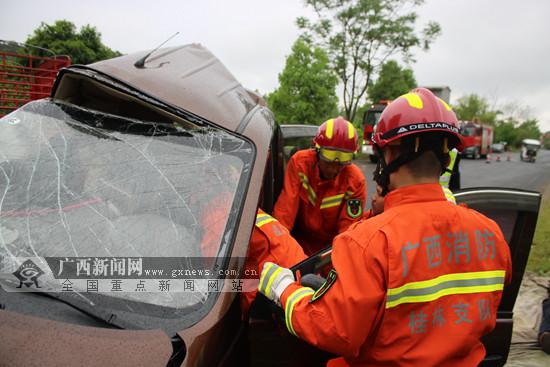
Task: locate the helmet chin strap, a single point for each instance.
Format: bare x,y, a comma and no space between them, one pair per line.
384,170
380,175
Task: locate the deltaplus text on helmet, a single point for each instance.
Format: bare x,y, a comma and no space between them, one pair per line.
421,116
418,111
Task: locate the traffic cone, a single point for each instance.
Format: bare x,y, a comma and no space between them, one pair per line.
509,157
498,157
488,158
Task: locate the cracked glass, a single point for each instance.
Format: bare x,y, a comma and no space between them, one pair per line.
78,183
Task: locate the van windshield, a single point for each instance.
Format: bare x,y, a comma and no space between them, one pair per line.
78,183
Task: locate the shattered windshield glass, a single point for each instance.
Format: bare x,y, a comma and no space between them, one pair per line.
75,183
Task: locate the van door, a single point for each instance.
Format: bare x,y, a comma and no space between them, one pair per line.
516,212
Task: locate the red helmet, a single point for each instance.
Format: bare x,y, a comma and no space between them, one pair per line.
416,112
337,134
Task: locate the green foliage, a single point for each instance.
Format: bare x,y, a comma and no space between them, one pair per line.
358,121
505,131
546,140
513,132
472,107
393,81
62,38
538,258
511,129
528,129
14,82
360,35
9,46
307,90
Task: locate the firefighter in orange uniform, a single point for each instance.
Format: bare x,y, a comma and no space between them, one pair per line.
323,192
272,242
420,283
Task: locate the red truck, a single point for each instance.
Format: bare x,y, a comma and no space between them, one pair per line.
370,118
478,139
24,78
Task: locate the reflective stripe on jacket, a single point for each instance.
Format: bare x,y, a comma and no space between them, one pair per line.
445,178
272,242
417,285
316,210
449,195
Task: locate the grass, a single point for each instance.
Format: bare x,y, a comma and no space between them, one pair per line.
539,258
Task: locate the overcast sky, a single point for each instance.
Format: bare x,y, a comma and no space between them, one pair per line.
499,49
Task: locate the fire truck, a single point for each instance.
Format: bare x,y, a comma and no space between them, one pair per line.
371,117
478,139
24,78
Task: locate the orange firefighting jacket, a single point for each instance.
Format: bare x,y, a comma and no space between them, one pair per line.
213,222
417,285
272,242
316,210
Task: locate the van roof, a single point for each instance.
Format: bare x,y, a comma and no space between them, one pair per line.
189,77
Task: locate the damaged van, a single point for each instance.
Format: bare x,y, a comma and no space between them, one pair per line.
158,161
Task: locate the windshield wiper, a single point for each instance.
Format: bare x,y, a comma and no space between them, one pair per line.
100,124
90,130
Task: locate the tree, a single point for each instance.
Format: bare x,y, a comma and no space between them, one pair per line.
9,46
307,90
546,140
393,81
513,128
528,129
506,131
360,35
513,131
472,106
516,111
83,47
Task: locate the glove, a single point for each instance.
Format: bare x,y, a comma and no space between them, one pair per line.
274,280
312,281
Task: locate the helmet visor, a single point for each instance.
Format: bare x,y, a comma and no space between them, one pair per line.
329,155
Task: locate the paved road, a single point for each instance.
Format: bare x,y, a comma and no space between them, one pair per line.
478,173
512,174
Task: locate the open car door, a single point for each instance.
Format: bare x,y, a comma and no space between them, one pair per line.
516,213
